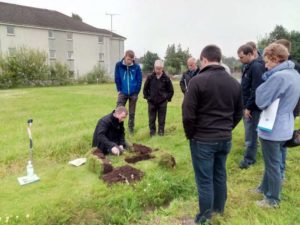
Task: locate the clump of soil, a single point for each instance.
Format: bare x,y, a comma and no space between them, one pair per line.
107,166
138,158
141,149
97,162
167,160
124,174
98,152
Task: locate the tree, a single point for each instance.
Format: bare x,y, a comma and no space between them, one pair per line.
76,17
148,61
175,59
295,39
280,32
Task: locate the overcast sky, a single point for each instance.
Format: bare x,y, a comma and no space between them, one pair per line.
153,24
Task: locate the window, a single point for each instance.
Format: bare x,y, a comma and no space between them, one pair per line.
101,57
11,51
50,34
10,30
52,54
69,36
100,39
70,55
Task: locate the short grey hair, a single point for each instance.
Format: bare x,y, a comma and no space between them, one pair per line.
191,59
159,63
121,109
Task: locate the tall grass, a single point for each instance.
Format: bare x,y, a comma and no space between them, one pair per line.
63,123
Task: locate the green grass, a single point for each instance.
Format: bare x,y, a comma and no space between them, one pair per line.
64,120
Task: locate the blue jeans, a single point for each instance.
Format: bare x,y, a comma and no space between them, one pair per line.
209,162
271,183
250,126
283,159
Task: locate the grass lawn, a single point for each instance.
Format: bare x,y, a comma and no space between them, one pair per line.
64,119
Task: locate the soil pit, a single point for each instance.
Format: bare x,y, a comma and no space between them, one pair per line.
141,149
124,174
138,158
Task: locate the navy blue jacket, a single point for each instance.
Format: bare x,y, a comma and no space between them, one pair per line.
128,79
297,67
251,79
185,79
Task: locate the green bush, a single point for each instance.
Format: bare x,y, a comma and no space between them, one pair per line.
97,73
24,67
28,67
60,74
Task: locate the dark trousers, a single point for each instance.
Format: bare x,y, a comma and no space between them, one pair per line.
251,137
160,111
209,162
122,99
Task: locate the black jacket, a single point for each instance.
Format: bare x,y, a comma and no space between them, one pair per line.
213,106
157,91
251,79
108,133
297,67
185,79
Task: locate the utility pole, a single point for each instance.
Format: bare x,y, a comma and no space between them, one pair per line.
111,35
111,20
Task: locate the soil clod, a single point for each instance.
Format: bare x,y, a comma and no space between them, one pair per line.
124,174
138,158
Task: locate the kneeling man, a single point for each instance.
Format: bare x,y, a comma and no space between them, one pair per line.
109,134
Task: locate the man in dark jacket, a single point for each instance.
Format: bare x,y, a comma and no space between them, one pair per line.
288,45
128,79
109,135
296,112
211,108
253,70
158,90
192,71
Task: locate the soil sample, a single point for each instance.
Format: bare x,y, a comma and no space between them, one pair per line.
167,160
141,149
125,174
97,162
137,158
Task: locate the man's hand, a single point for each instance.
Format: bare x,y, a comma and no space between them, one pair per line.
115,151
121,148
247,114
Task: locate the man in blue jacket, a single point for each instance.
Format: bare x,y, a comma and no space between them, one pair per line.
253,69
128,79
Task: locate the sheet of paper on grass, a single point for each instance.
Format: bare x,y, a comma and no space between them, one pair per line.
268,117
28,179
78,162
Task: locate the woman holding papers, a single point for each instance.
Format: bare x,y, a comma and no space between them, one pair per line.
282,82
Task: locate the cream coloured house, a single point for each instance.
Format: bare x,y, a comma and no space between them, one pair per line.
65,39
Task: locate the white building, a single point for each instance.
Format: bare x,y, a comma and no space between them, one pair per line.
65,39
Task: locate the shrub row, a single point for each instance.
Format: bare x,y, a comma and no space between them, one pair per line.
28,67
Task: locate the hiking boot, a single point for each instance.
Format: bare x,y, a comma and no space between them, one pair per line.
257,191
131,130
245,165
161,133
265,203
